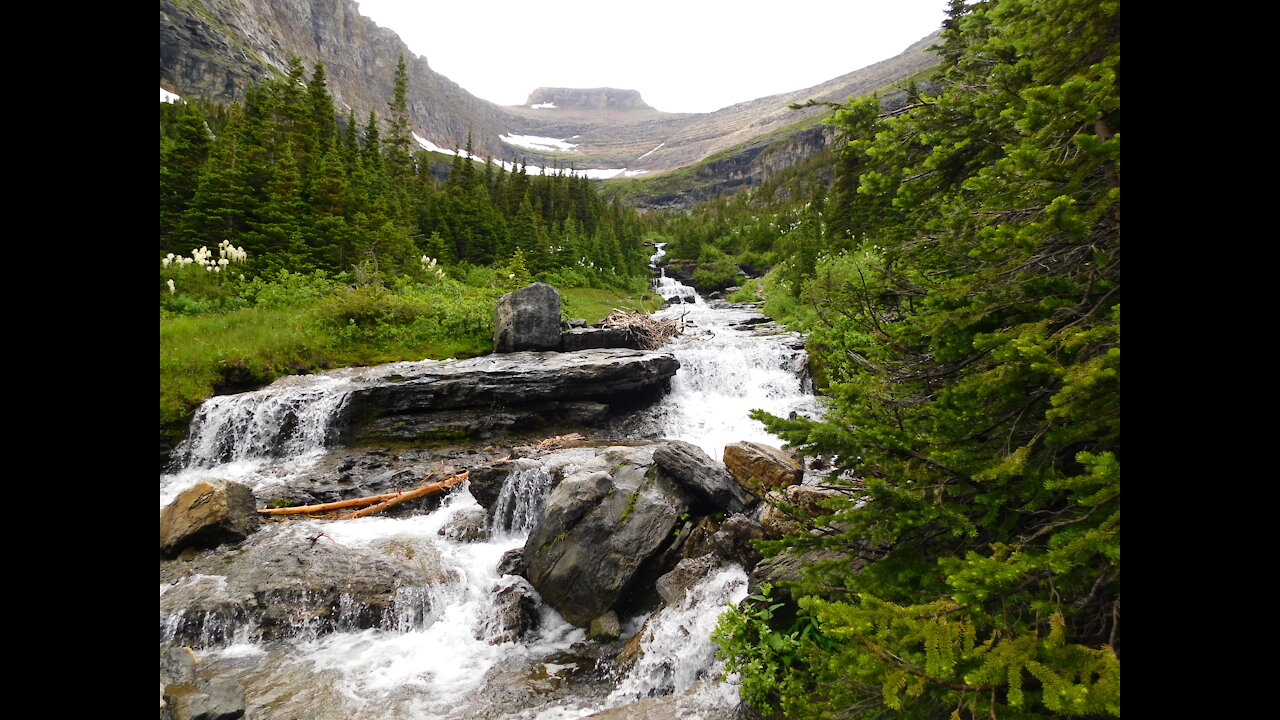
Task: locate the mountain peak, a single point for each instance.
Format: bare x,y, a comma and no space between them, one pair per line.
587,99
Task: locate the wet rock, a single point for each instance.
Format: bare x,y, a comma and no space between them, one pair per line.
512,562
673,586
733,541
516,612
210,513
688,704
284,582
706,479
760,468
527,319
599,527
218,699
468,526
606,627
633,649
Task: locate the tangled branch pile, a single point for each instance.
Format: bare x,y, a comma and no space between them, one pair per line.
649,332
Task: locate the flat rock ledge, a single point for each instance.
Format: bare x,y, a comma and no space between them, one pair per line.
487,396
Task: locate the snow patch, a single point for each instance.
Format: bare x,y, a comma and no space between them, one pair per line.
533,142
650,152
168,97
593,173
543,106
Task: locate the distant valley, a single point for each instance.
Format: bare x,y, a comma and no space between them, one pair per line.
215,48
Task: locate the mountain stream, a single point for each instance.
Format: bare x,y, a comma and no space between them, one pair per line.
442,656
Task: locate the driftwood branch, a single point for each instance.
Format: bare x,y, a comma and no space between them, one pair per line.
325,507
378,503
423,491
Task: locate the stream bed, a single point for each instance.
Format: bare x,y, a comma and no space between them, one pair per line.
445,653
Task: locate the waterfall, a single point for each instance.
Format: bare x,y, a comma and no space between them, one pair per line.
292,416
726,371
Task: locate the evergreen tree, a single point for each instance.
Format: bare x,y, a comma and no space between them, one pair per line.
184,149
973,346
399,143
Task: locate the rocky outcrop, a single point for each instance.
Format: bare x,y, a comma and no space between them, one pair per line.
760,468
208,514
710,483
483,397
284,582
673,586
527,319
589,338
592,98
600,525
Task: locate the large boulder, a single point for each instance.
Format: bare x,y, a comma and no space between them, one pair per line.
760,468
210,513
599,527
485,396
709,482
286,580
589,337
527,319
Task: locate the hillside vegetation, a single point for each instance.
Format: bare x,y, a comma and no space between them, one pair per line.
960,278
291,240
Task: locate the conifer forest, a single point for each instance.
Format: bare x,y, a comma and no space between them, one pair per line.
954,263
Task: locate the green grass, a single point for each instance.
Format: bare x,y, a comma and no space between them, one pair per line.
593,304
201,355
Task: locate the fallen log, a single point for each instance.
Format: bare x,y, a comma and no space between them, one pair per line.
325,507
423,491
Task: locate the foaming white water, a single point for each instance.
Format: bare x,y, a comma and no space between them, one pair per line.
678,650
291,417
427,668
725,373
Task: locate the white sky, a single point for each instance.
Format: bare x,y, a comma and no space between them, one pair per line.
682,55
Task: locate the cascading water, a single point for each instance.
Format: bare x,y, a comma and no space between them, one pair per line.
442,653
726,371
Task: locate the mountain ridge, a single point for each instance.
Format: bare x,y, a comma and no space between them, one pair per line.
215,48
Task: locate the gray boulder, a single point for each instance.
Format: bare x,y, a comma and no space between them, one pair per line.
673,586
527,319
284,582
210,513
517,612
599,527
588,338
733,540
709,481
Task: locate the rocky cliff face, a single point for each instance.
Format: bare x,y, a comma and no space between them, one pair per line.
591,99
215,48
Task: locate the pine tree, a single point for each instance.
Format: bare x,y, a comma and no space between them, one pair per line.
973,345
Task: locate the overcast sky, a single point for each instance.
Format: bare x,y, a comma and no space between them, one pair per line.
682,55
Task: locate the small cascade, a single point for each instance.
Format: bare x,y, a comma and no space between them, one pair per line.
292,416
678,652
520,502
726,371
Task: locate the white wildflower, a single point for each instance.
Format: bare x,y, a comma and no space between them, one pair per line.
172,289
